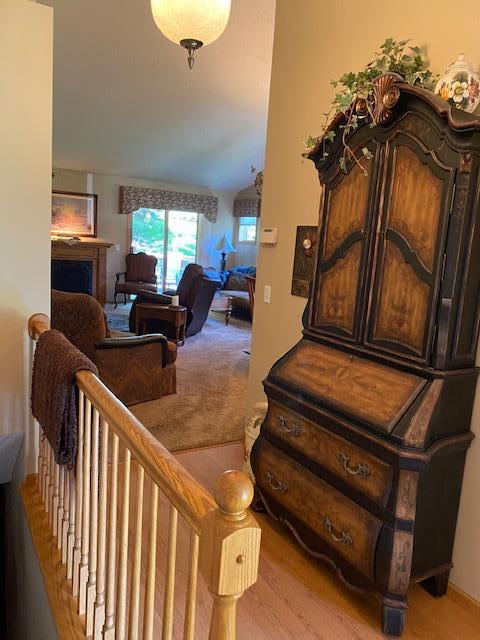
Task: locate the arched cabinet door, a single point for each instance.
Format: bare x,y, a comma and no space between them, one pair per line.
342,253
409,250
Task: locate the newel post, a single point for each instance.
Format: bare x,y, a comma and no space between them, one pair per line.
229,551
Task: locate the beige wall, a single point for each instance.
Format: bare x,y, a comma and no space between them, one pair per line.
113,227
314,43
69,180
25,179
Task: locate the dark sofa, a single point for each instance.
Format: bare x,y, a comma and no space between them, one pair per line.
195,290
234,282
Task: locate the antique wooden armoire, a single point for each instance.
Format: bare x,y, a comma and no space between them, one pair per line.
362,451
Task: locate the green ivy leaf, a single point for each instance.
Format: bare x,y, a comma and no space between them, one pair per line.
310,142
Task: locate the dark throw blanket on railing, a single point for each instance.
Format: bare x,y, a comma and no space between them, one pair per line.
54,398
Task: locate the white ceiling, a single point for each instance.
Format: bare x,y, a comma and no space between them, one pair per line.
125,102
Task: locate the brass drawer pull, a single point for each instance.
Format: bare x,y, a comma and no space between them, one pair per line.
277,485
344,537
361,470
294,429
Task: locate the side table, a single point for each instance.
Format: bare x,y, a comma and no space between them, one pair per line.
223,302
145,312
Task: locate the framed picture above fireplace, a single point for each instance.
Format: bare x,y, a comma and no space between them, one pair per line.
74,214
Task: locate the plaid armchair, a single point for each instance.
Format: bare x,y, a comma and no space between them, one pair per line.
135,368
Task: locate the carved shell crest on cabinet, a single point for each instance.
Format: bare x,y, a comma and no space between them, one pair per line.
386,94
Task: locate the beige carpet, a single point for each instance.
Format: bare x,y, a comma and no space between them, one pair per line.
209,406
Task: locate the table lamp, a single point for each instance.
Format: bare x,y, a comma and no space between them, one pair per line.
224,246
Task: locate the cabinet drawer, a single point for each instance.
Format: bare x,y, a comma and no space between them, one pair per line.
358,468
348,528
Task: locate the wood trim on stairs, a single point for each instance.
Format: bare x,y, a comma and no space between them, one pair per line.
64,606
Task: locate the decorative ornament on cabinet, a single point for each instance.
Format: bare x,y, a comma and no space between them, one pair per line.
369,95
460,85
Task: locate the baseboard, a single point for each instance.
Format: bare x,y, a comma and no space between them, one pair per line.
462,598
209,446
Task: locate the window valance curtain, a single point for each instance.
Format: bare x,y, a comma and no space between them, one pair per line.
246,207
133,198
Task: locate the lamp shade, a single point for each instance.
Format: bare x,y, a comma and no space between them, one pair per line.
225,245
203,20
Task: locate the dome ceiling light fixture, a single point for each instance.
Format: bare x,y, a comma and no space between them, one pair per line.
191,23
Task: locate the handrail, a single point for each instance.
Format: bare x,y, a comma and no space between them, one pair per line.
182,490
84,508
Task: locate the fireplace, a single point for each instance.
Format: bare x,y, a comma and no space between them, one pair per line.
89,260
74,276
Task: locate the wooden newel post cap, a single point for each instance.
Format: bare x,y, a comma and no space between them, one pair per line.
230,538
37,324
233,493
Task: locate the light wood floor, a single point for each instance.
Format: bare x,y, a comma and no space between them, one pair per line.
295,596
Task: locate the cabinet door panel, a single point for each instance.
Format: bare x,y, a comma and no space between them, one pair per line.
403,302
338,293
415,204
341,256
409,251
346,211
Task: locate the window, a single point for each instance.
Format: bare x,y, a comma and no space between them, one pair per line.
247,229
171,236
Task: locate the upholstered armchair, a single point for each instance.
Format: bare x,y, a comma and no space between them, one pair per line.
138,276
195,290
136,369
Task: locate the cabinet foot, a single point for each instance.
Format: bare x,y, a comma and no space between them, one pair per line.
393,619
437,585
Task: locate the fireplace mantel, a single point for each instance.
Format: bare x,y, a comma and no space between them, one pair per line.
94,251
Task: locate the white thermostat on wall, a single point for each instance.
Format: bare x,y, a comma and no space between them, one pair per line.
268,235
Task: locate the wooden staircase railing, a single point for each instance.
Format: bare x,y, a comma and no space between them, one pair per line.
110,563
